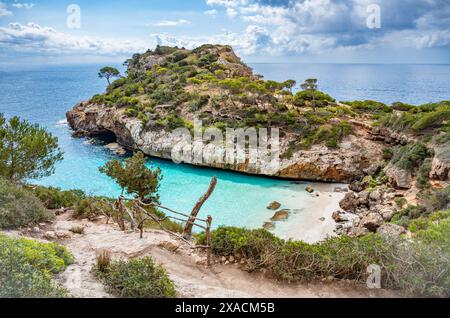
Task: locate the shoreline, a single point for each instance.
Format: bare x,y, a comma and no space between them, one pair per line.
308,226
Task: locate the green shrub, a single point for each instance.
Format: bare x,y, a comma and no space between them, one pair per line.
431,120
369,107
410,156
139,278
19,207
54,198
431,200
26,268
321,99
423,176
406,265
92,207
435,199
402,106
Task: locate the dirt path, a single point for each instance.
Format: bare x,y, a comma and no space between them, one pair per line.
192,278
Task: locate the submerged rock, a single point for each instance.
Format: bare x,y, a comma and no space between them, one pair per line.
274,206
309,189
281,215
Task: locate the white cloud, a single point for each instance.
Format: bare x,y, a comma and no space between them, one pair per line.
227,3
24,5
232,12
4,12
309,25
34,38
212,12
168,23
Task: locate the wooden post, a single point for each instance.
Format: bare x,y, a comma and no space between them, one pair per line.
208,239
187,233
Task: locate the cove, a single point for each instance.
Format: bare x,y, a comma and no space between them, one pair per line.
239,200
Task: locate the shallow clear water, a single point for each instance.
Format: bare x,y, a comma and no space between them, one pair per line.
43,96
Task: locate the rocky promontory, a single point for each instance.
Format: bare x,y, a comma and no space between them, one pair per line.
170,88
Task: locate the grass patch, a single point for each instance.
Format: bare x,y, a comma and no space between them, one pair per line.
138,278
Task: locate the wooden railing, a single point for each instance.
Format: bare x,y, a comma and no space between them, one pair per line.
138,216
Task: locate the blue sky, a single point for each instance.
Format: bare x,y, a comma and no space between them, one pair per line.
411,31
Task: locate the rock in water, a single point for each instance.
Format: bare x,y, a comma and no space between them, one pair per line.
280,216
309,189
274,206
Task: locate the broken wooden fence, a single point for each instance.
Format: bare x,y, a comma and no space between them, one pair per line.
138,215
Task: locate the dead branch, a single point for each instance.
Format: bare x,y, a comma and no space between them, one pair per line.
187,233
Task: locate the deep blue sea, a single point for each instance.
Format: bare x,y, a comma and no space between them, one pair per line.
44,95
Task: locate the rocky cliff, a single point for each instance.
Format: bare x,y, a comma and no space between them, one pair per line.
355,157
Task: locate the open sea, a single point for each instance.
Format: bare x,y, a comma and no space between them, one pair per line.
44,95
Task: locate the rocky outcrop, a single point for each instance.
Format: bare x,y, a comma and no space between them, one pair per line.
399,178
345,164
366,211
391,230
388,136
440,167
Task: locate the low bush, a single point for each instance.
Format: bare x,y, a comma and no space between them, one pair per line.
54,198
138,278
410,157
26,268
92,207
430,201
423,175
19,207
369,107
399,106
409,266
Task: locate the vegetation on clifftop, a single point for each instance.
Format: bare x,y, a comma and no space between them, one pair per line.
170,87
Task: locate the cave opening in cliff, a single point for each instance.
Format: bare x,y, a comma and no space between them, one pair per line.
106,137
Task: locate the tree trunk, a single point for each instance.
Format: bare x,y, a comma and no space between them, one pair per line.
187,233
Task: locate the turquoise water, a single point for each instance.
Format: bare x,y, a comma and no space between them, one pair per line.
44,95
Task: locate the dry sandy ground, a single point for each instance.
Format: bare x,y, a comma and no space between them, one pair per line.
192,278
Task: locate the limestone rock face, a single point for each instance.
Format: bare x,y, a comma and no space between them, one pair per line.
372,221
320,163
399,178
350,202
440,167
391,230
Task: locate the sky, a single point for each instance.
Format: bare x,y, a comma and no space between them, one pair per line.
36,32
